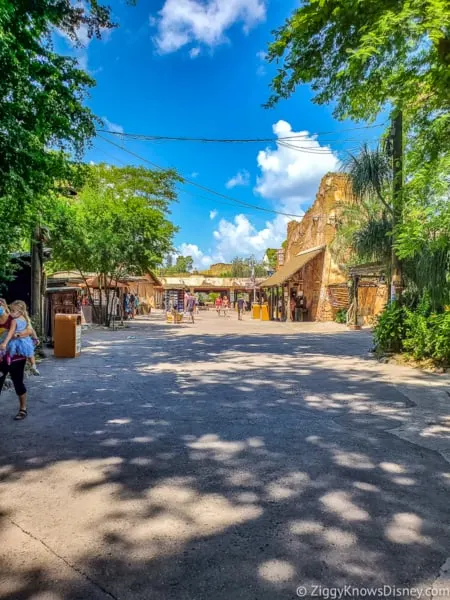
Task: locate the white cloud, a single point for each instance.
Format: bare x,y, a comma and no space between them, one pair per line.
194,52
201,260
241,178
194,175
261,70
261,55
213,214
289,177
240,237
292,174
181,22
110,126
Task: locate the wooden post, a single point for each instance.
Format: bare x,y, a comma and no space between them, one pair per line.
355,325
276,304
37,257
356,285
397,197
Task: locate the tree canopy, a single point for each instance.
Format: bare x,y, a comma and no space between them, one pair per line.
366,56
246,267
117,223
43,118
41,92
183,264
272,257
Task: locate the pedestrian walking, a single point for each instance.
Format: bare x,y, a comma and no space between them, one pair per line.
126,305
14,366
225,305
15,343
240,307
218,303
190,306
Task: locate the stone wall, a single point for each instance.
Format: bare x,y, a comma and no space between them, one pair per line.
318,228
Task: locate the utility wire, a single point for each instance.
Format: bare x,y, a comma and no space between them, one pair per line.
198,185
299,137
184,191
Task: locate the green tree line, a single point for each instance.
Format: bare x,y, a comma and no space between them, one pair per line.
371,58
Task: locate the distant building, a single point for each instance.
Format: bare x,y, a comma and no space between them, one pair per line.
217,270
309,266
229,286
280,258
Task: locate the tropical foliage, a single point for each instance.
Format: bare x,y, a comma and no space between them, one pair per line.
396,57
419,331
371,56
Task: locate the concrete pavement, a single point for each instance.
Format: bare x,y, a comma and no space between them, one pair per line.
224,460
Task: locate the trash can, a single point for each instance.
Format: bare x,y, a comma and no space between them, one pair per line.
67,336
264,313
256,311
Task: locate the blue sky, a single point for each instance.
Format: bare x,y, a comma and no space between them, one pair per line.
196,68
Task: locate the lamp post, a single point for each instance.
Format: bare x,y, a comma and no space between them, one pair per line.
252,265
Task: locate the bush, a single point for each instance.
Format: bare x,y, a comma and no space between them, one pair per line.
428,337
440,343
417,339
419,332
341,316
389,332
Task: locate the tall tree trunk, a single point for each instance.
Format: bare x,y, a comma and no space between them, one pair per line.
108,300
100,290
37,256
397,197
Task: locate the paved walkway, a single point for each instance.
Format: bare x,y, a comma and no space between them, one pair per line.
223,460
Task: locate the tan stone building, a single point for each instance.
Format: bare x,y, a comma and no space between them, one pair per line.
310,268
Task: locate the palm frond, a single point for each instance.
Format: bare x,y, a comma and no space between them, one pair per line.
430,273
370,173
373,242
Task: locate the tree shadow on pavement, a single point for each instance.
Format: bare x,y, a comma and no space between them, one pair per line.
177,466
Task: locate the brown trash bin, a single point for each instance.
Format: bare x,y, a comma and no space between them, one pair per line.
67,336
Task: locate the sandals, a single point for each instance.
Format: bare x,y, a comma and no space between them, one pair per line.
21,415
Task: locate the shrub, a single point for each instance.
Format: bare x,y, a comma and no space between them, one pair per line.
419,332
428,337
389,332
341,316
440,342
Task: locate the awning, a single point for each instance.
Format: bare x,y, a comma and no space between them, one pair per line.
93,282
292,266
367,270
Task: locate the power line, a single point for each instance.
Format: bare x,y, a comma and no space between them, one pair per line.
184,191
202,187
290,138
